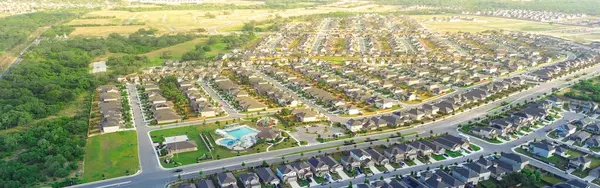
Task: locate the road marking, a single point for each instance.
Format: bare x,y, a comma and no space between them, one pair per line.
116,184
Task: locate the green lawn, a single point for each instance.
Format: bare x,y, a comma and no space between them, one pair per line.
318,179
395,165
550,179
573,153
438,157
187,157
453,153
335,176
111,155
558,161
409,162
475,147
381,168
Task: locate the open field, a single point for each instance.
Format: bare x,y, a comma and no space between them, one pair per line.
188,20
110,155
483,23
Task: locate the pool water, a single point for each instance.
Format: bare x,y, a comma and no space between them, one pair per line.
240,132
227,142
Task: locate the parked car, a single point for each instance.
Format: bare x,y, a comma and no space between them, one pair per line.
178,170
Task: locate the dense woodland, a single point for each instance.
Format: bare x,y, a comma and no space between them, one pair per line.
15,30
591,7
51,76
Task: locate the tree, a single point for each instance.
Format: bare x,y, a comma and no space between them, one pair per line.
243,164
265,164
209,15
366,181
165,55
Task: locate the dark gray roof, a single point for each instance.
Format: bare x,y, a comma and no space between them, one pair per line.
205,184
514,157
464,172
226,177
410,182
572,183
476,167
266,174
248,177
330,161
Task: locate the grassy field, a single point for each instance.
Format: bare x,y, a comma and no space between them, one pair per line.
187,20
485,23
110,155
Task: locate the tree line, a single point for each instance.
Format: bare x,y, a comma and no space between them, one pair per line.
52,75
15,30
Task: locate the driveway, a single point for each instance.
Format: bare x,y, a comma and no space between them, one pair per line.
294,184
342,174
374,169
389,167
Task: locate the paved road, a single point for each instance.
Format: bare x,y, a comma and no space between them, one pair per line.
154,176
20,58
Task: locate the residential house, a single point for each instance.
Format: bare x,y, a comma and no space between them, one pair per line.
566,130
350,163
423,149
332,163
514,160
318,166
377,157
580,162
303,169
484,173
362,156
227,179
593,141
572,183
181,147
485,132
250,180
400,152
542,149
580,136
205,184
441,179
267,176
287,173
304,115
465,175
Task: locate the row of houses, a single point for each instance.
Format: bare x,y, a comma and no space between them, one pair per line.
471,173
162,110
504,127
585,131
465,175
110,107
267,89
546,149
198,100
236,93
550,72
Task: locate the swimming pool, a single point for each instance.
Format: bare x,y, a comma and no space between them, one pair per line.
237,137
240,132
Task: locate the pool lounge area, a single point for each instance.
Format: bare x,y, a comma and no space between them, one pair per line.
237,137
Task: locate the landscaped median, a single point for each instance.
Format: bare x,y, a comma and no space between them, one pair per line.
111,155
